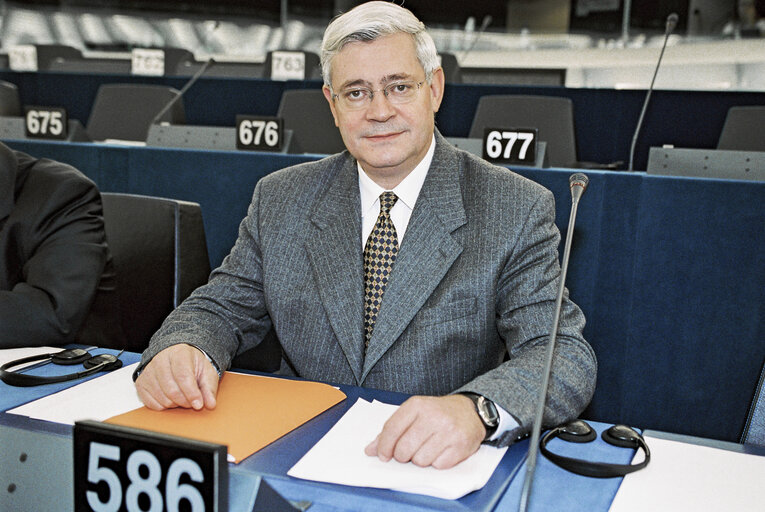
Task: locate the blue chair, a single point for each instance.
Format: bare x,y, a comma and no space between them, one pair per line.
754,430
743,128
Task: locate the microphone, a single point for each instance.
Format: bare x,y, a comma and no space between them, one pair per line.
577,184
185,88
484,24
669,27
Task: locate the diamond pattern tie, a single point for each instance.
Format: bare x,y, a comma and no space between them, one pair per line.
379,255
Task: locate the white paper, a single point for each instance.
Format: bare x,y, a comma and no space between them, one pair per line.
688,477
11,354
339,458
97,399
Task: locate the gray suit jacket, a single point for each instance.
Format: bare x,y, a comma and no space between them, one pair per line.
475,278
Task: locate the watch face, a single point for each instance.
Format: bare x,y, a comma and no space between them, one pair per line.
487,411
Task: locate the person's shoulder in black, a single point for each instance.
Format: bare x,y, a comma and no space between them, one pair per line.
57,283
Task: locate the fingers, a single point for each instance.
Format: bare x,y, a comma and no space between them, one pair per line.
387,442
430,431
208,384
179,376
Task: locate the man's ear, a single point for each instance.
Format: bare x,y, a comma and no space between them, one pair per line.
436,88
328,94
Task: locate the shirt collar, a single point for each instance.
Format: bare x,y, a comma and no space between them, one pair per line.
407,191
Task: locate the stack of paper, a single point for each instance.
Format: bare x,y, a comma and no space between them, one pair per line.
690,477
96,399
339,458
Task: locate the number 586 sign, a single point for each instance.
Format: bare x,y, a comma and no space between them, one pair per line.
124,469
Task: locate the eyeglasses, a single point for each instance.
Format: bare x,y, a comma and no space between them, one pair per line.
357,98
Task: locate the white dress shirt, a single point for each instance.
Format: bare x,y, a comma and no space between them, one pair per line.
407,192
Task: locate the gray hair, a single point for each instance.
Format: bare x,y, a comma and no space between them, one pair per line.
372,20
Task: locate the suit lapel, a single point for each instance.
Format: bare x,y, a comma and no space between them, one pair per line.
425,255
334,250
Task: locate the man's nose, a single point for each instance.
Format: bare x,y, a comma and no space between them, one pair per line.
380,108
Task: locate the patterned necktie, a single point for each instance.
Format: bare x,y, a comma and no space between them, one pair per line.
379,255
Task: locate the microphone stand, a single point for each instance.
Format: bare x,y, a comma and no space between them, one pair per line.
670,27
484,24
185,88
578,184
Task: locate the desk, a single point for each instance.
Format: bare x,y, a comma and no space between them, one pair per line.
49,446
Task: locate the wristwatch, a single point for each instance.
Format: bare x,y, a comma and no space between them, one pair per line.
487,412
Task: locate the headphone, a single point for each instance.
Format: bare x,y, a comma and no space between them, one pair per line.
92,364
579,431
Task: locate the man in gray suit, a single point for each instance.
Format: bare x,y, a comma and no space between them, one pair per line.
446,291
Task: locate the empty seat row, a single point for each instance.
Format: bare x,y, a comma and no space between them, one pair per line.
307,115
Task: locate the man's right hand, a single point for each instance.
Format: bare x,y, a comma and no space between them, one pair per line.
179,376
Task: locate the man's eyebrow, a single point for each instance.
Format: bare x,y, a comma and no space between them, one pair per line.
356,83
394,77
359,82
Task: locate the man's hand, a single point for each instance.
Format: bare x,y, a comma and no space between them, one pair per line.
179,376
430,431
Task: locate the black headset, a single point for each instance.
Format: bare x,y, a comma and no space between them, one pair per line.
92,364
579,431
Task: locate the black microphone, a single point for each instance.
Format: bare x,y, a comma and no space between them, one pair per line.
578,184
670,26
185,88
484,24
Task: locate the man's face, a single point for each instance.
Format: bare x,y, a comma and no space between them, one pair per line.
388,139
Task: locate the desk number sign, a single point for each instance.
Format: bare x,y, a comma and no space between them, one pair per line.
45,123
147,62
125,469
510,146
23,57
259,133
287,65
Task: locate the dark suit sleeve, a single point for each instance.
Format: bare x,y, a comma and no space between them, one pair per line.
56,251
525,303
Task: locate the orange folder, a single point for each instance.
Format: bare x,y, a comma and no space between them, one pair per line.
251,412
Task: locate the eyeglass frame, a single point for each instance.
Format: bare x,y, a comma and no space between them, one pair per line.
385,91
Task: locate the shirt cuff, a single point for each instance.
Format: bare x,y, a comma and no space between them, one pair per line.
507,422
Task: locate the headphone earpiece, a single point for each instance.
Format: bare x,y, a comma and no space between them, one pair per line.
70,356
581,432
103,362
577,431
621,435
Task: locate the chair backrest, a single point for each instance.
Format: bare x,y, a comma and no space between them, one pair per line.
743,129
125,111
452,70
160,256
10,104
552,116
754,430
307,114
48,54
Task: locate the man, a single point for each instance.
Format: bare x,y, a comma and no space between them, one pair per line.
56,279
425,295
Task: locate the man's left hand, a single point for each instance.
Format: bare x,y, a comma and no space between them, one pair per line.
430,431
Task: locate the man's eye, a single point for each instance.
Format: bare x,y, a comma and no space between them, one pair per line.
401,88
355,94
